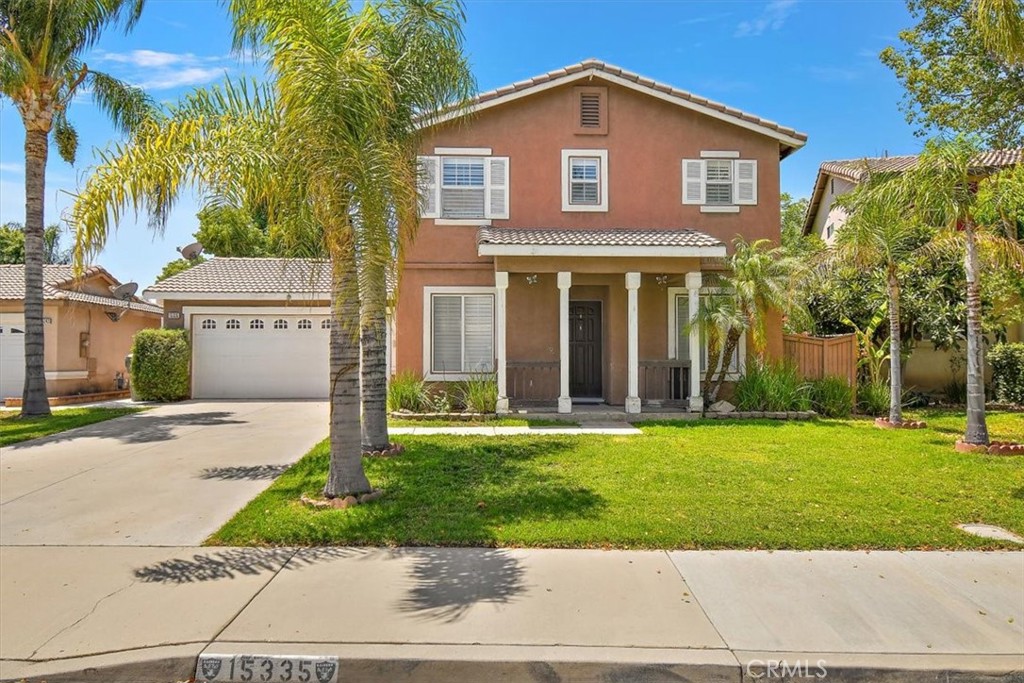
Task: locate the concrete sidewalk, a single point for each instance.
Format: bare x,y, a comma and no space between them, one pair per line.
145,614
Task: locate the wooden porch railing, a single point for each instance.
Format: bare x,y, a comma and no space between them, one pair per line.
532,380
664,380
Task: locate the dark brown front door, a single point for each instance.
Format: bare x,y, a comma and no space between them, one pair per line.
585,349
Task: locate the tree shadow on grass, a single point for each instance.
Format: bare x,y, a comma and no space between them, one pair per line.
138,428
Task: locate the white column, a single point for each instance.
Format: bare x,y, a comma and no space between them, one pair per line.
564,400
500,291
633,345
693,282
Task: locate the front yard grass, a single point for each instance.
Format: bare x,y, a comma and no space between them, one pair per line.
496,422
701,484
15,430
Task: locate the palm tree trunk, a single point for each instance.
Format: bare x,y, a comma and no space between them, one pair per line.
374,384
895,368
731,341
33,398
345,475
977,430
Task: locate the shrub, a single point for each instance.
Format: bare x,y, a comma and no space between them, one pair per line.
479,394
832,396
955,392
773,387
407,391
160,365
873,398
1008,372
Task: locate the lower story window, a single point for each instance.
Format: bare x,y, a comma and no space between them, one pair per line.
682,312
461,333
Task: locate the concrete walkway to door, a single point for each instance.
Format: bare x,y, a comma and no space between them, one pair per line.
169,476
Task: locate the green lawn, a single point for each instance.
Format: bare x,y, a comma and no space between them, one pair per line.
706,484
14,429
496,422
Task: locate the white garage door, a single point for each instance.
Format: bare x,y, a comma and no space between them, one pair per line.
12,356
260,356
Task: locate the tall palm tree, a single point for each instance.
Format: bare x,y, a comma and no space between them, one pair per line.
977,212
41,71
879,233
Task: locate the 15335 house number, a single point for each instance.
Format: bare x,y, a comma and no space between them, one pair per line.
266,669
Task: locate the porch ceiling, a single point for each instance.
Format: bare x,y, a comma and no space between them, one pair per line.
603,243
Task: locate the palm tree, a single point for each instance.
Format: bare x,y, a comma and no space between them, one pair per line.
1001,25
880,234
978,214
41,71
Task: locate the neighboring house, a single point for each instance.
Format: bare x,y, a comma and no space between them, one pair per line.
259,327
836,178
87,331
568,221
927,368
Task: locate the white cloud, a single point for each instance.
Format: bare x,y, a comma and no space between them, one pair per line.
704,19
155,70
177,78
772,18
12,168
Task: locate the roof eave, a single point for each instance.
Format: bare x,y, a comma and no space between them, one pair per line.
599,251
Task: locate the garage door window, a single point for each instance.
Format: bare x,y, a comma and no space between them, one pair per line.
256,324
233,324
280,324
325,324
305,324
209,324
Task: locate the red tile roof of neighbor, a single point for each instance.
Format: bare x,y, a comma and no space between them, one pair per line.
790,138
59,283
854,170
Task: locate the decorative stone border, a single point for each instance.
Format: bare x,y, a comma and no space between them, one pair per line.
447,417
73,399
994,448
883,423
341,503
390,452
763,415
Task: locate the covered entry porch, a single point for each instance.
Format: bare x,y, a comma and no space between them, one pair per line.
597,316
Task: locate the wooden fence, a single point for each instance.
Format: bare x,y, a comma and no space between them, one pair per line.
816,357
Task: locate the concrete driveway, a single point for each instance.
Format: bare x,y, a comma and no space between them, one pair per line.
169,476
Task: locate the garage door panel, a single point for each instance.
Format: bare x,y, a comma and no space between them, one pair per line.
12,356
290,362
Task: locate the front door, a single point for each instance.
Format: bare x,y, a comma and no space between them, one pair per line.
585,349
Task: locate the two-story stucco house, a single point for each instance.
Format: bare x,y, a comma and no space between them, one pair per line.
567,224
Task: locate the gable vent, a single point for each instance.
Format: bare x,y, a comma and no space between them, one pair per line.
590,110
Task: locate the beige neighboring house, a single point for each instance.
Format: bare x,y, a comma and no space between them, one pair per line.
927,369
836,178
88,332
259,327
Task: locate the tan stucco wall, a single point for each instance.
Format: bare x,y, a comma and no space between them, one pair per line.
827,213
930,370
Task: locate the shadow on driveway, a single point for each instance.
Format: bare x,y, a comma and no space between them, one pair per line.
138,428
244,472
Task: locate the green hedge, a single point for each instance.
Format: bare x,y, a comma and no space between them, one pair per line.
160,365
1008,372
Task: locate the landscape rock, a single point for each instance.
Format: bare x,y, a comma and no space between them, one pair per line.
721,407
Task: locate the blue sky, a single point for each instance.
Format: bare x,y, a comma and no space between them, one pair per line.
809,64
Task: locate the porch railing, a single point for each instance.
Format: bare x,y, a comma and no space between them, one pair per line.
664,380
532,381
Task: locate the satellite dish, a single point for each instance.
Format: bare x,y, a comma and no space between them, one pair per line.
125,292
191,251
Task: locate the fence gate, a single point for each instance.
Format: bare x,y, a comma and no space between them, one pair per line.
817,357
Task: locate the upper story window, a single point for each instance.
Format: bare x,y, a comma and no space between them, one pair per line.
584,180
720,182
469,186
591,110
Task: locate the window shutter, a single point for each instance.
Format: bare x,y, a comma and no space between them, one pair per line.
479,334
446,332
497,187
693,181
745,181
430,187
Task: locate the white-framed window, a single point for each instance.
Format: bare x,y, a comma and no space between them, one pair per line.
255,324
280,324
464,187
679,336
233,324
459,332
325,324
209,324
720,182
305,324
584,180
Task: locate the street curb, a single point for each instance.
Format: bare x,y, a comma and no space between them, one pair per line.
162,664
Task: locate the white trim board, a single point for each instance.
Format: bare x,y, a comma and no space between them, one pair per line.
581,250
188,311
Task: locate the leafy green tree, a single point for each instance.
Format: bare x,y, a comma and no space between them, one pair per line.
41,72
953,80
793,212
12,244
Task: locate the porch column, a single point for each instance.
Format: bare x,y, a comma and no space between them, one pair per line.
564,400
500,291
633,362
693,282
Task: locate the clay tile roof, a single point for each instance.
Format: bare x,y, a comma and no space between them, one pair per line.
796,138
251,276
60,284
618,237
